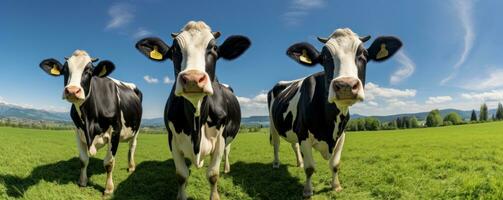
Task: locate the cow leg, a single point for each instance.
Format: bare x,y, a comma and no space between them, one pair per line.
334,163
182,172
109,163
84,160
275,143
214,167
298,155
227,166
132,150
306,149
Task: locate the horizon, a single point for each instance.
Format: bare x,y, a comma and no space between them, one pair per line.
450,57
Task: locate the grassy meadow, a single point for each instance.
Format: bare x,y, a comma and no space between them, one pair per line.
456,162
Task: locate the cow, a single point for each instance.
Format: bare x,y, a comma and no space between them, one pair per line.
202,115
105,111
313,111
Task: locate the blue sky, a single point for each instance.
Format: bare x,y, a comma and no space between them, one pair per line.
451,56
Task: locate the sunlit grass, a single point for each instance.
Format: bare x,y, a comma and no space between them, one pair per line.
456,162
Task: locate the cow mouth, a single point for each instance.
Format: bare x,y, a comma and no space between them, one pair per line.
74,99
345,102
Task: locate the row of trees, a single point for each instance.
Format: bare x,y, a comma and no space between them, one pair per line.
373,124
484,114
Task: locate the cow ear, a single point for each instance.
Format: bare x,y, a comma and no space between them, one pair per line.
104,68
154,48
304,53
383,48
51,66
233,47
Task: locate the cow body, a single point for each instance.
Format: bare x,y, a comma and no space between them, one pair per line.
312,112
197,136
105,111
202,116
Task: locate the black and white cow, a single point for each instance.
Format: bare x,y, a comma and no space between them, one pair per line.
104,110
313,111
202,116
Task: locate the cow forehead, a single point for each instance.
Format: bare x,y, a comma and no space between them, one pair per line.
78,60
194,35
343,44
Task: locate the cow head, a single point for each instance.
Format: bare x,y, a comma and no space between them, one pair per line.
194,53
344,59
78,70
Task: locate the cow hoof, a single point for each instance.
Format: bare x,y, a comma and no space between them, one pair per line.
275,165
108,193
181,196
82,183
131,169
307,194
226,171
215,196
301,165
337,189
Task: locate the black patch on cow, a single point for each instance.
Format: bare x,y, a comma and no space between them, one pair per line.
222,108
102,110
314,114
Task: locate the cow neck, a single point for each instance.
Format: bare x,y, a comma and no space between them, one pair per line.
332,109
86,104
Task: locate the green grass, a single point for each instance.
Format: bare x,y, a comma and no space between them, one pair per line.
456,162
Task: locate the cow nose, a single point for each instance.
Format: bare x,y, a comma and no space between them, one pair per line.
346,87
72,90
193,81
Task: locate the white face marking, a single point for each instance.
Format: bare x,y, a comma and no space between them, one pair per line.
76,65
193,44
343,46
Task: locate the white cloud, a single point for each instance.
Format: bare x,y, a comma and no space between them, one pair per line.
494,95
150,80
299,9
256,106
438,99
374,91
491,80
406,69
167,80
464,13
141,32
49,108
121,14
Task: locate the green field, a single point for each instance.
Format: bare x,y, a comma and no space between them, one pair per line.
456,162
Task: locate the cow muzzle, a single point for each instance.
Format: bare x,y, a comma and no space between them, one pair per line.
347,91
74,94
194,82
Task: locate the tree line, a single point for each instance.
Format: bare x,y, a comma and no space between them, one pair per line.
433,119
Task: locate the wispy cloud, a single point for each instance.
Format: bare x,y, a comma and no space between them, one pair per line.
374,91
464,10
120,15
491,79
49,108
167,80
406,69
254,106
300,8
150,80
494,95
438,99
141,32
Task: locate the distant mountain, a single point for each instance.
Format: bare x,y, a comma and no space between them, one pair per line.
12,111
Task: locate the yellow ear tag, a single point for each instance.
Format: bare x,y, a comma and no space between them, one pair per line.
383,52
154,54
103,71
55,70
304,58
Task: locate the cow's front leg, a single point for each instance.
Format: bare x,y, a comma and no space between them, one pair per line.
227,165
132,150
298,155
182,171
214,167
84,159
334,163
275,143
309,167
109,163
